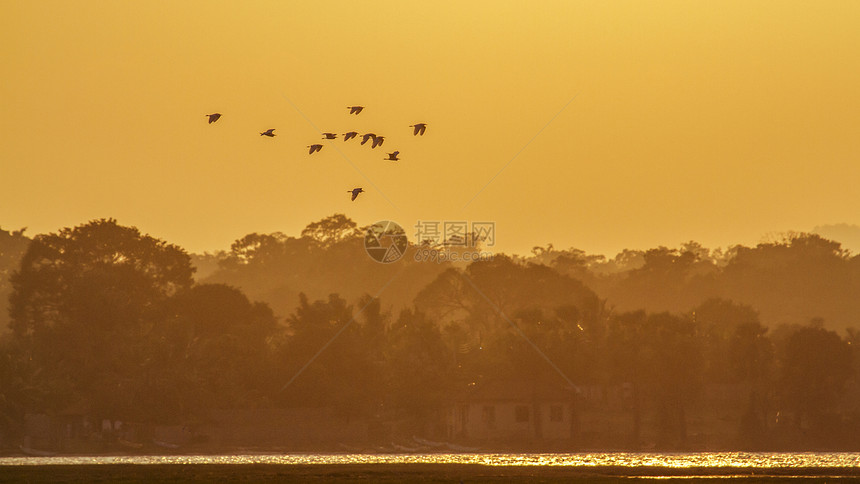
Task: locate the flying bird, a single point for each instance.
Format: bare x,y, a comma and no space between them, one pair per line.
354,109
367,137
213,117
355,192
350,135
377,141
329,135
269,133
419,129
314,148
393,156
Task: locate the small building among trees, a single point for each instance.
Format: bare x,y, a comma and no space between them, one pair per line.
519,411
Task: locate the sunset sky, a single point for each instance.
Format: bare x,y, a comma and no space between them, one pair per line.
598,125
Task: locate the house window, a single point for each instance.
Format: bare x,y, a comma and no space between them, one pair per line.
521,413
488,416
555,414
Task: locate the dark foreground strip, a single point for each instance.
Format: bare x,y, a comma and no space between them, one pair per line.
391,473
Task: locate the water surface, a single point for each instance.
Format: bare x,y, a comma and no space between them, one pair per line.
751,460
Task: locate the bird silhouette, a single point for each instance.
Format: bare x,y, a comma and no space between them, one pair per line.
393,156
314,148
377,141
355,192
354,109
419,129
213,117
350,135
329,135
367,137
269,133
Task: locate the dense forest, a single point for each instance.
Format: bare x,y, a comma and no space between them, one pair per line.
125,326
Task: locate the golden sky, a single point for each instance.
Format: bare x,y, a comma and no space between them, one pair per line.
599,125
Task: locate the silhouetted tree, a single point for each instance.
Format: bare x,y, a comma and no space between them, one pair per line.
21,389
660,355
338,355
214,351
12,247
673,371
484,291
735,345
626,363
328,258
420,369
670,280
501,317
256,248
332,229
815,365
85,301
795,279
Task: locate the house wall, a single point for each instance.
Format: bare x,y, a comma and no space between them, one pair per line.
475,420
556,429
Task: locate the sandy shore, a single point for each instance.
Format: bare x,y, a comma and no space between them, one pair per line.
390,473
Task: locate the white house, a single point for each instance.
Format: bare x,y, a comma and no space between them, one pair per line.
512,410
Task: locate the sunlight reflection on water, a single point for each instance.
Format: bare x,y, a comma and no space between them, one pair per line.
620,459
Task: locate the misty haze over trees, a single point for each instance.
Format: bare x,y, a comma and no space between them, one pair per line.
670,348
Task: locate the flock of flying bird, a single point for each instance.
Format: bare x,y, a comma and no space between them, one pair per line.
374,139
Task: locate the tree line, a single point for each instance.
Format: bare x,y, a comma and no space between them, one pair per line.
108,319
